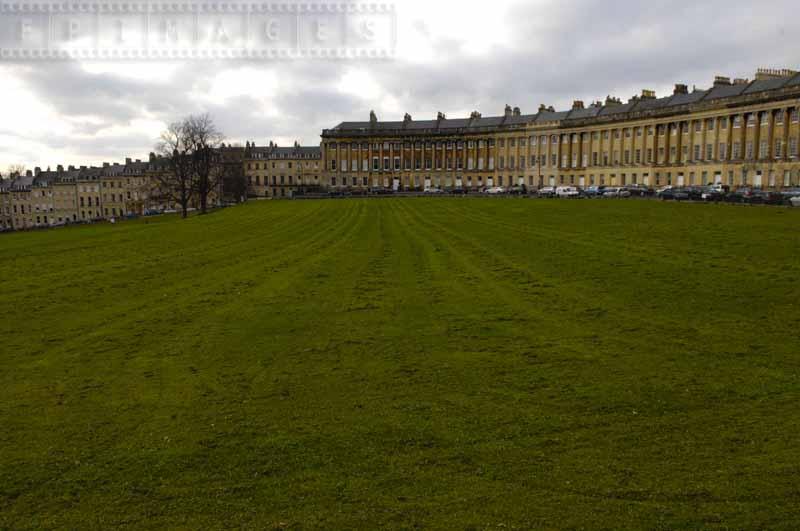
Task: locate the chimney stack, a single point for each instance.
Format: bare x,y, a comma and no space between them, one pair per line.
128,161
439,117
60,168
508,111
577,104
681,89
37,170
648,94
517,111
407,118
722,81
741,81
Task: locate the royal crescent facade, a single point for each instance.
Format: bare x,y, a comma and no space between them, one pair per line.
737,133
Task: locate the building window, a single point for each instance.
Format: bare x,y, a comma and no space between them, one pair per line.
709,151
697,152
723,148
793,147
737,151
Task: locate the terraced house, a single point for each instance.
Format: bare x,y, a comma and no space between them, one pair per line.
278,172
738,133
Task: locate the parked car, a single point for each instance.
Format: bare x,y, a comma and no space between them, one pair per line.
740,195
673,194
434,191
547,191
767,197
640,191
517,190
594,191
695,193
614,192
795,201
495,190
713,193
567,192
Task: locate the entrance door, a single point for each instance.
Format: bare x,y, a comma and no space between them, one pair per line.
757,180
396,185
718,178
680,179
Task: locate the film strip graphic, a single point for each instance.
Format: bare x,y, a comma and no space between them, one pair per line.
196,30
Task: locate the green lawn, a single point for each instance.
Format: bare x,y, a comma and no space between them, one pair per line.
420,363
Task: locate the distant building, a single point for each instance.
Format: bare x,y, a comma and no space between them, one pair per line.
281,172
738,133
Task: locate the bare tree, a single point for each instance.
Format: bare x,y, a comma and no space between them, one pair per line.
16,169
204,143
177,183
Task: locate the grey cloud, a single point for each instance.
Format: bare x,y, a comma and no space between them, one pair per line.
560,51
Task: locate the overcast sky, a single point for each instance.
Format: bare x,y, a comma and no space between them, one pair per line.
453,56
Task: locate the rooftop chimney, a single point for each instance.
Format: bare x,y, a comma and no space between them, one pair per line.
741,81
152,157
37,170
373,118
59,168
106,164
128,161
648,94
577,104
474,115
680,88
517,111
28,173
774,73
439,117
138,160
542,107
508,111
71,167
407,118
611,102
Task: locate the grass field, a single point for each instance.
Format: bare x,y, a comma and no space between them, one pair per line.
422,363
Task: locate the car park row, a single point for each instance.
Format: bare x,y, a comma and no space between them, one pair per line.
713,193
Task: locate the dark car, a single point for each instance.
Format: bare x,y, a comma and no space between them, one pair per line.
766,197
740,195
674,194
640,191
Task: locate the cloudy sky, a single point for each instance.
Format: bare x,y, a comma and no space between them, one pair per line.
453,56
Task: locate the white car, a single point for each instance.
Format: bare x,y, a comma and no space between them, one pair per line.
569,192
795,201
495,190
547,191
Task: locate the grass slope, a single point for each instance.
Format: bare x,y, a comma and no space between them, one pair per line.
436,363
